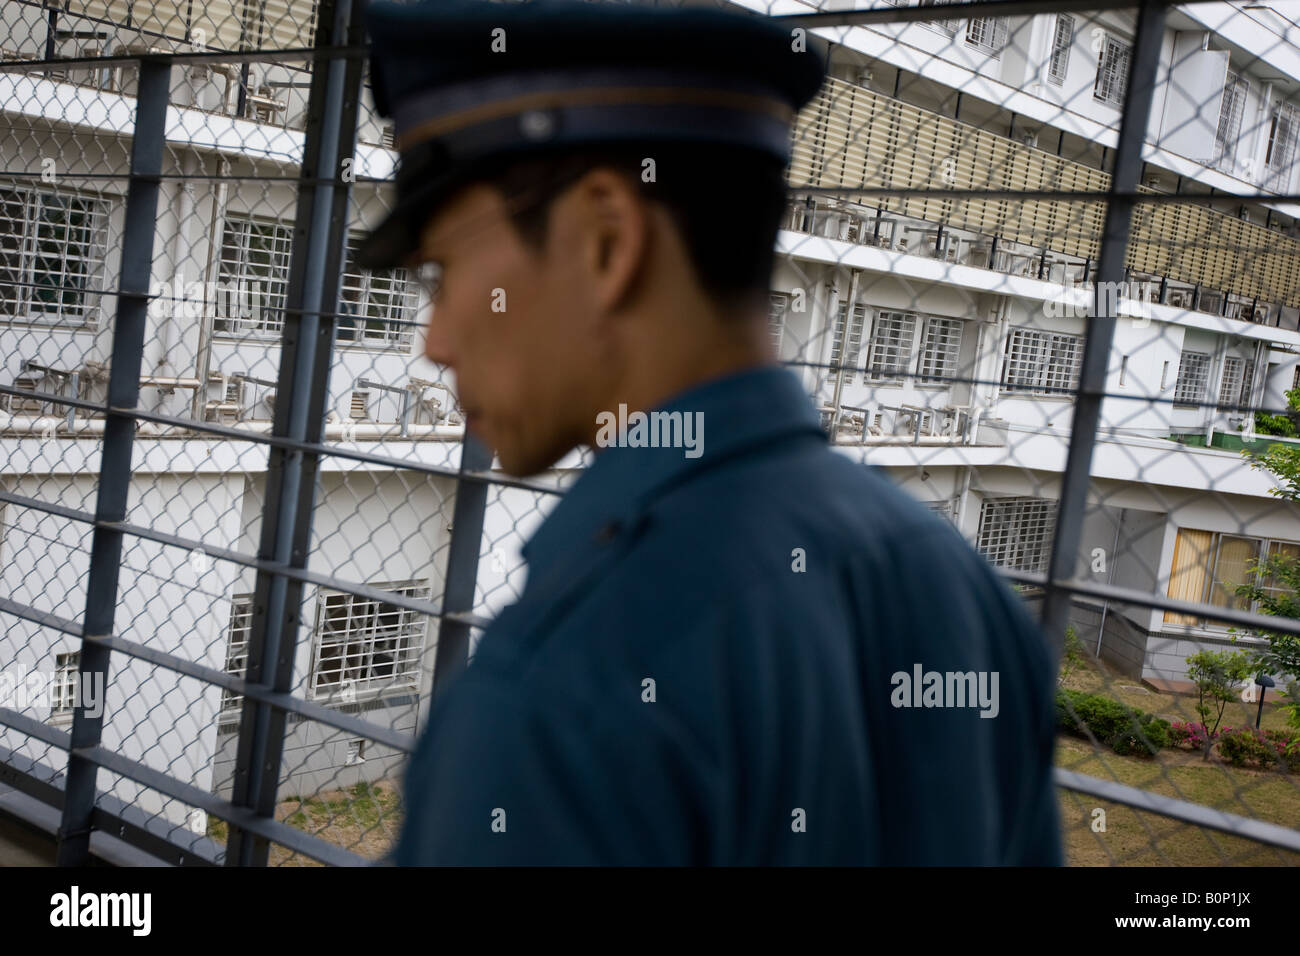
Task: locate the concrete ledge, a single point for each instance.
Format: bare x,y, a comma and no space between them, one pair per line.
1165,685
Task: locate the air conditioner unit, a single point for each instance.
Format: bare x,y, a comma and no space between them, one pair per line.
222,413
21,404
1260,315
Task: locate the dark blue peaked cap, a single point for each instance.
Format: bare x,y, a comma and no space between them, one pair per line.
466,80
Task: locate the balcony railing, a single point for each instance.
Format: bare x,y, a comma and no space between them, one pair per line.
877,423
851,137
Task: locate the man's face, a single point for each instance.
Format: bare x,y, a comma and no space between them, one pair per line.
509,322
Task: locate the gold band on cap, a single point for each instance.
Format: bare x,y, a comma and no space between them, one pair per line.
603,96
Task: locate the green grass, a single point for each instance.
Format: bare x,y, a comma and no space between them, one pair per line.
363,818
1136,838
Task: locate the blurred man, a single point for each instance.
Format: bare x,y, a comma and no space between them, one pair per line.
734,646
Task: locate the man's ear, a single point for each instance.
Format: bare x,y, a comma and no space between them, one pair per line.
613,235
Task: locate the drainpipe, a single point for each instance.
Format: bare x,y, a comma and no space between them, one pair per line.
965,493
220,194
182,247
1110,579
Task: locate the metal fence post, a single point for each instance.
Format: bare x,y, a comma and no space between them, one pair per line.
1101,328
462,563
302,391
141,222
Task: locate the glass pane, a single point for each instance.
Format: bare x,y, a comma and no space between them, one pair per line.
1235,556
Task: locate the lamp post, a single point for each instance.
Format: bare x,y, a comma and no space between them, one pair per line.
1263,682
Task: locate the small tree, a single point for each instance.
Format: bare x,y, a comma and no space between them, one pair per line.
1216,675
1282,598
1072,659
1286,425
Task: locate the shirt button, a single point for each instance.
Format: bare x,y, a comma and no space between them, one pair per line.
607,533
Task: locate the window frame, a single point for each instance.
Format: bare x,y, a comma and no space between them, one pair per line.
846,334
83,243
1180,392
1048,345
1232,108
1118,55
1265,548
409,645
1044,512
270,324
390,292
905,368
778,306
1056,48
994,34
944,379
240,623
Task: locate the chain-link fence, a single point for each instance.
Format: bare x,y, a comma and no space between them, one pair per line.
1039,267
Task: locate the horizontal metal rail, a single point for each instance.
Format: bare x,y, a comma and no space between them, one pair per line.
190,795
1202,816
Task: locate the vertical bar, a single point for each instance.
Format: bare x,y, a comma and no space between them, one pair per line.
1101,329
302,390
462,563
119,435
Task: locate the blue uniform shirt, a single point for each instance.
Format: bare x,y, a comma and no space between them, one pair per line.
766,654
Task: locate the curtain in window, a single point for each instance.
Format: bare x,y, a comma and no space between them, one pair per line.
1236,555
1190,568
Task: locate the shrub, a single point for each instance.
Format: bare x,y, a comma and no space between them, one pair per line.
1246,746
1287,745
1111,723
1192,736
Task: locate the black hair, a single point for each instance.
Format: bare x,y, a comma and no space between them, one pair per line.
726,202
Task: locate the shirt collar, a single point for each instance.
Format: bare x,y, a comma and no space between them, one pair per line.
740,410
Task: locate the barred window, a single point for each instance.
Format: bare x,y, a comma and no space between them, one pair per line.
1282,132
1112,71
1042,362
890,356
63,696
987,33
254,276
778,303
1231,109
367,645
1247,384
1234,373
1193,377
1064,360
946,27
241,626
1017,532
940,349
1061,41
848,352
376,308
52,248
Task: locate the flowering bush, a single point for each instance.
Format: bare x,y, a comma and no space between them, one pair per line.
1246,746
1191,736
